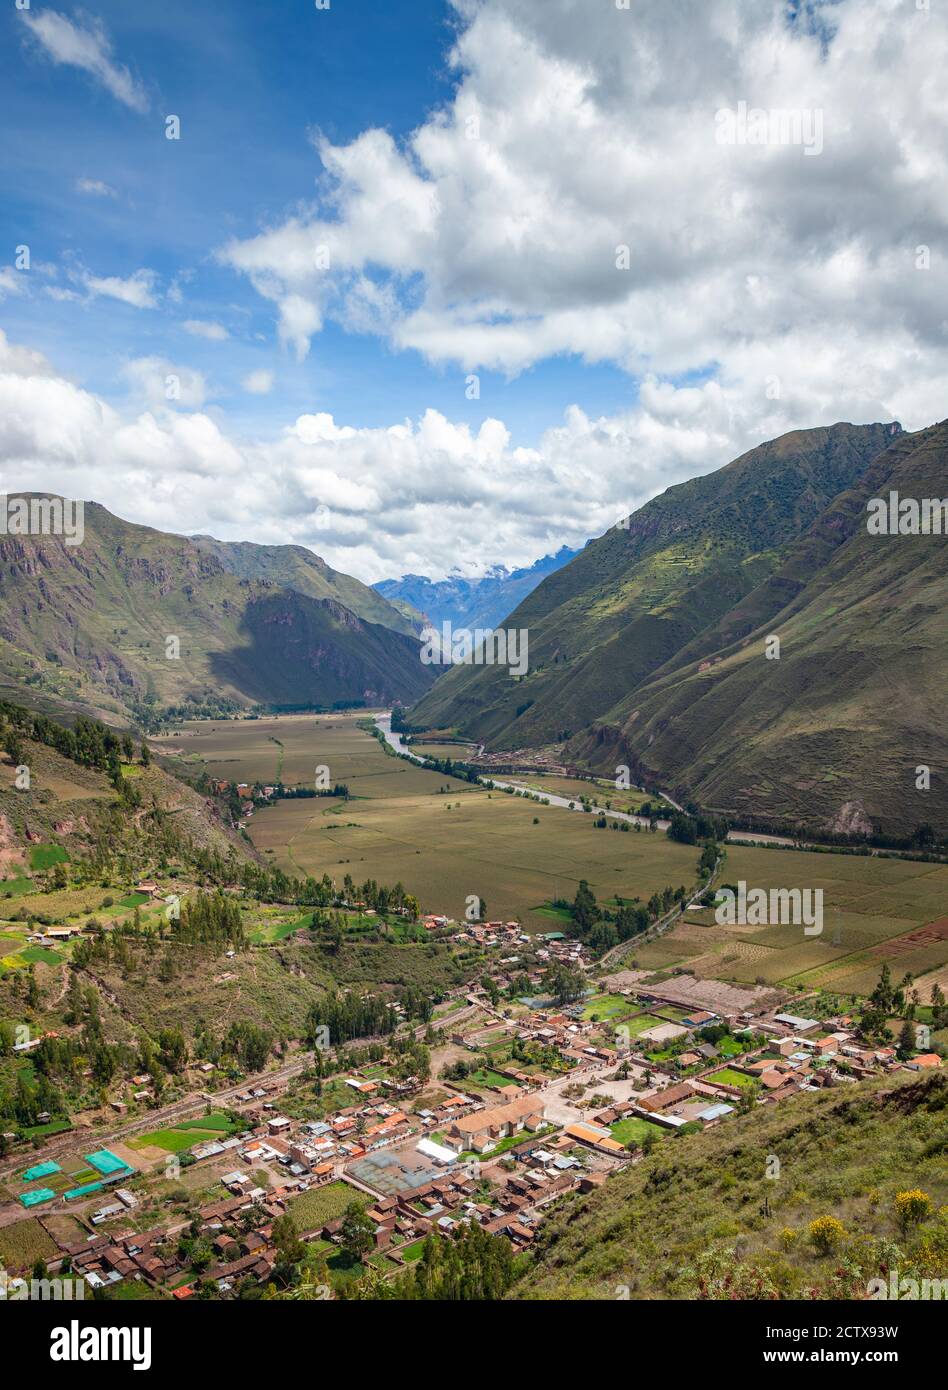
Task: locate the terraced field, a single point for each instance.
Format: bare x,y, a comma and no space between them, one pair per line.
875,910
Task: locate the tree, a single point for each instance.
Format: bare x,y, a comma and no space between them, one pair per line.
906,1043
357,1234
564,983
287,1241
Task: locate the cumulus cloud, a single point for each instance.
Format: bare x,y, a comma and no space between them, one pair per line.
426,495
576,196
201,328
571,199
85,44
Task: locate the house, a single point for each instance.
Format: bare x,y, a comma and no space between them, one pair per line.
483,1130
799,1025
595,1137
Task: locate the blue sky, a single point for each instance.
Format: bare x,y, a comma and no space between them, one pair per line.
438,284
249,80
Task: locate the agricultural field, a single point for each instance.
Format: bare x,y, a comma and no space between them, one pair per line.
23,1243
397,825
876,910
459,752
178,1138
314,1208
445,845
609,1006
598,790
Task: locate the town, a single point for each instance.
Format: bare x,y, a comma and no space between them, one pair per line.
340,1170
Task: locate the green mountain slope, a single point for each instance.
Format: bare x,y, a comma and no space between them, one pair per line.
294,567
648,649
833,731
701,1218
89,626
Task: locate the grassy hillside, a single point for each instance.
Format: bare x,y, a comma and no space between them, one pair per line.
294,567
700,1218
834,730
88,626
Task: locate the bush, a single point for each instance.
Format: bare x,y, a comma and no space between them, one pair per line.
826,1233
912,1208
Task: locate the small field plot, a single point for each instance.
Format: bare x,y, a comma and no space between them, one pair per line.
313,1209
874,909
623,1131
23,1243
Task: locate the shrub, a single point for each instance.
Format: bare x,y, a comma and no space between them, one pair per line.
788,1238
912,1208
826,1233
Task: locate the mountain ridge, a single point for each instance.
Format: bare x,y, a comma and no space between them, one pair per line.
94,626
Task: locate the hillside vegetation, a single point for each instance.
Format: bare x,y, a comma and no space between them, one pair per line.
87,627
649,648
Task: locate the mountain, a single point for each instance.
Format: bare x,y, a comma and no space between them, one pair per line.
746,1235
648,649
294,567
87,626
836,730
472,603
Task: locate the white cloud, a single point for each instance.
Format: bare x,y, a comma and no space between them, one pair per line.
259,383
596,130
200,328
163,385
96,188
12,282
138,290
86,46
424,495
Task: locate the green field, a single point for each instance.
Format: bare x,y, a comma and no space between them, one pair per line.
321,1204
635,1128
174,1140
45,856
728,1077
607,1006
